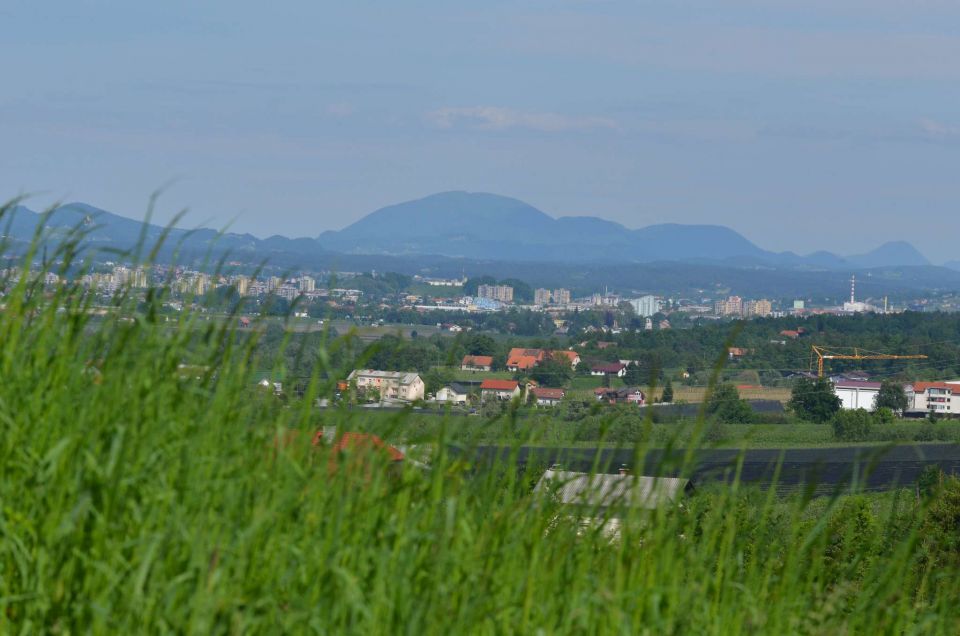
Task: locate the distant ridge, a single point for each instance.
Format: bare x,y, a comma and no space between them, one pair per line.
488,226
468,225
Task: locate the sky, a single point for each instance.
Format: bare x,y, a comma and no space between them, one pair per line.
820,124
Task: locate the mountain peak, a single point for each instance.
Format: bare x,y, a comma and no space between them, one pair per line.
891,254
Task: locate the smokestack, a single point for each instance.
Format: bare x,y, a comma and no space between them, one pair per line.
853,288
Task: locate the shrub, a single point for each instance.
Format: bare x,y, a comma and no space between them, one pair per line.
853,425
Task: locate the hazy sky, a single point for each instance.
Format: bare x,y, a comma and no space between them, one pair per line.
818,124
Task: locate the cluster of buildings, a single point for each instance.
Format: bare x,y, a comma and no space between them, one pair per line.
543,297
735,306
923,398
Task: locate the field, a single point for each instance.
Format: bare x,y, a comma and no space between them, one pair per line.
149,487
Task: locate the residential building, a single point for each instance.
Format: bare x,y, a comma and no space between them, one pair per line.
476,363
543,396
499,390
396,385
453,393
307,284
561,296
608,368
520,359
758,308
646,306
502,293
732,306
934,397
541,297
620,396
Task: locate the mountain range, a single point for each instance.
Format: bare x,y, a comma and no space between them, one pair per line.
489,226
464,225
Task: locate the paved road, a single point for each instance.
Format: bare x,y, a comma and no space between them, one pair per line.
874,468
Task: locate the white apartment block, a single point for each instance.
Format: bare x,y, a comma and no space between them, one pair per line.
397,385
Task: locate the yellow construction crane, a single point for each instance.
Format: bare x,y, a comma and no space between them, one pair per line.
823,353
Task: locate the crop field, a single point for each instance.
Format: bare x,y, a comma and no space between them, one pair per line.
148,486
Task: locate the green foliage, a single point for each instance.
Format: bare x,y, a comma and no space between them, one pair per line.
891,396
667,394
147,487
814,400
725,406
853,425
552,372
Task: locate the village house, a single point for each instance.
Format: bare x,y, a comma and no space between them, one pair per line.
620,396
476,363
453,393
543,396
397,385
618,369
520,359
499,390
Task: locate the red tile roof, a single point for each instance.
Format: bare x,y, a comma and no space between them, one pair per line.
499,385
548,394
477,361
613,367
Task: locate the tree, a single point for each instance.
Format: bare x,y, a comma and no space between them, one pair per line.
667,395
725,405
552,371
891,396
814,400
854,425
631,375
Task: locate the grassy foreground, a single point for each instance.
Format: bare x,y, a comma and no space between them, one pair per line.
147,487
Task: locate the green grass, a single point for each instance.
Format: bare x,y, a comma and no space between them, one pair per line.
137,499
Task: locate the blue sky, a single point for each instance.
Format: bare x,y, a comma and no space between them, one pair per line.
803,125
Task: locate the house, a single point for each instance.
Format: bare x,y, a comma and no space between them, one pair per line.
571,356
934,397
499,390
608,368
620,396
397,385
476,363
605,344
520,359
737,352
856,394
453,393
791,333
547,397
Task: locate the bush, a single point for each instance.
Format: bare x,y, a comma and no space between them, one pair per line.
853,425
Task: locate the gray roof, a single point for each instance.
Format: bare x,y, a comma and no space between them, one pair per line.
612,490
402,377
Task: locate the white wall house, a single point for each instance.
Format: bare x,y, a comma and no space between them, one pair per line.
452,394
391,384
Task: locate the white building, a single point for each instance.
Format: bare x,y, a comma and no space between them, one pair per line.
934,397
857,394
391,384
453,394
646,306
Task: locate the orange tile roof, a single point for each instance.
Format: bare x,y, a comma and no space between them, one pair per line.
478,361
921,387
550,394
499,385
